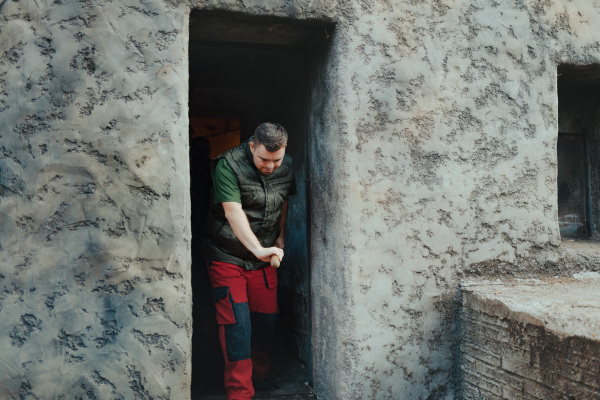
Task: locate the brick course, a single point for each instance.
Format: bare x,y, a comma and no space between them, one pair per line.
512,355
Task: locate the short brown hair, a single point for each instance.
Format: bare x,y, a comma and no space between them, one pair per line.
272,135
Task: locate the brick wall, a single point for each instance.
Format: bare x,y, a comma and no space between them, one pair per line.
508,354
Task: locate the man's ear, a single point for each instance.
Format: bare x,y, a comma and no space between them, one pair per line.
251,147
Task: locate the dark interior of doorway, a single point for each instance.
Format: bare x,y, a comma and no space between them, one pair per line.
246,70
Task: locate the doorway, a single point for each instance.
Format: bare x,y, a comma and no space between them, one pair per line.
245,70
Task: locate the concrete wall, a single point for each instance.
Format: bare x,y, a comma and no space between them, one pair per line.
94,206
433,156
441,149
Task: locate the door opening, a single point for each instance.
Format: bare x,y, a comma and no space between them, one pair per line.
247,70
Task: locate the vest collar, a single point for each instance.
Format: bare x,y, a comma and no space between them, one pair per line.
249,156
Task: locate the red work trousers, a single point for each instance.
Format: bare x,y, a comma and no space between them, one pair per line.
246,309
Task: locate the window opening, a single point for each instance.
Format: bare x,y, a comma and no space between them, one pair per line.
578,151
572,182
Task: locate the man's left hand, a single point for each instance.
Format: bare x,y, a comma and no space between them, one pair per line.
279,242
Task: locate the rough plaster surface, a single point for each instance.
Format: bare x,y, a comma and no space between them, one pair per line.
94,261
531,338
441,143
433,130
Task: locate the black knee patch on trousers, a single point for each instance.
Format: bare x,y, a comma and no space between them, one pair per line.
263,330
237,336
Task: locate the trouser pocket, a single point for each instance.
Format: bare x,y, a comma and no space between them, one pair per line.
270,277
223,304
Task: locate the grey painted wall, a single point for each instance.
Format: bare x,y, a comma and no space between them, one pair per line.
433,156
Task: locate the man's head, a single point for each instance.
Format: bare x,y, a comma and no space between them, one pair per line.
268,147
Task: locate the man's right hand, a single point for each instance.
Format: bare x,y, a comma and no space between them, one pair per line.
241,228
265,253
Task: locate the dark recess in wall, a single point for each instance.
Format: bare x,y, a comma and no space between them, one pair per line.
254,69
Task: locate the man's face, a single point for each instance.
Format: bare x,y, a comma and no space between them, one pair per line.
265,161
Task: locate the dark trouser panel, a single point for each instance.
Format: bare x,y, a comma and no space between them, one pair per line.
246,310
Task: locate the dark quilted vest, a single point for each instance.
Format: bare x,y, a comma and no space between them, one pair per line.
262,200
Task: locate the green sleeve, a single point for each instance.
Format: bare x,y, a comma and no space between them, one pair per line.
225,183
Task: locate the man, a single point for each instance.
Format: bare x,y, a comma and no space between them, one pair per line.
243,230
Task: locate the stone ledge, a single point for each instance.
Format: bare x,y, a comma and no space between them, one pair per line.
569,306
531,339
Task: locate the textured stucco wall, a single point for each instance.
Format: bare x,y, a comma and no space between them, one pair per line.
442,133
442,136
433,135
94,205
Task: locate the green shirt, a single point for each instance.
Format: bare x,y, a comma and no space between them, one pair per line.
225,183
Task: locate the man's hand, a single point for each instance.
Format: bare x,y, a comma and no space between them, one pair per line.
264,254
241,228
279,242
